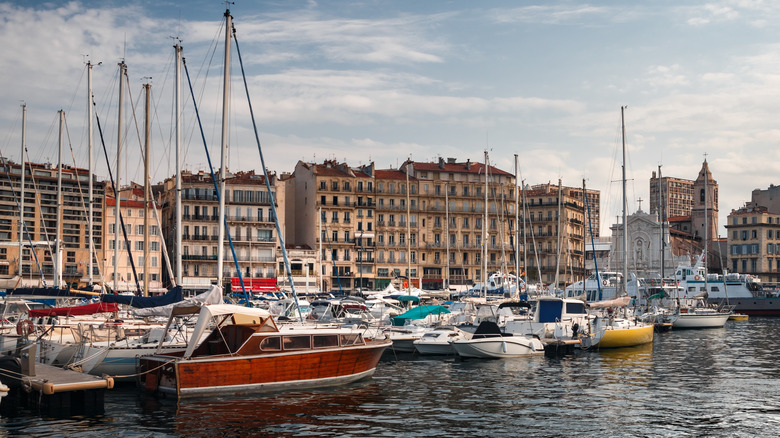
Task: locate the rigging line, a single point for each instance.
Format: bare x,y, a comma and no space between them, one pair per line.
268,184
38,203
7,168
116,198
124,231
11,131
216,187
81,193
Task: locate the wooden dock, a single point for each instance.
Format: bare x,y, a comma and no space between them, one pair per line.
560,347
53,391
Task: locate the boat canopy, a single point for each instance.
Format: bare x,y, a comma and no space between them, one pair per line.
246,315
419,312
86,309
172,296
617,302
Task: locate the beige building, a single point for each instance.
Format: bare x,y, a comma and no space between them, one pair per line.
397,245
552,243
676,197
454,236
754,242
41,208
250,223
134,256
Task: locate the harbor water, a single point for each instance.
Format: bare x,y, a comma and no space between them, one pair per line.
716,382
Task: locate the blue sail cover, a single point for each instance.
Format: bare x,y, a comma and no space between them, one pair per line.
172,296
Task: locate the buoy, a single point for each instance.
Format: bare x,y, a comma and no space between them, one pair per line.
25,327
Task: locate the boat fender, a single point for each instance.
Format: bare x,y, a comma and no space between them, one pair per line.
503,346
25,327
574,329
48,388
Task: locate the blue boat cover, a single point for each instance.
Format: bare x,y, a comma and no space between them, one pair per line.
172,296
419,312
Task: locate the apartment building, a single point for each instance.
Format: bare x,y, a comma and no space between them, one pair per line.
397,227
44,212
139,260
553,228
676,196
456,232
250,223
754,242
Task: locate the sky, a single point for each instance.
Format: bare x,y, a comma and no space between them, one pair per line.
383,81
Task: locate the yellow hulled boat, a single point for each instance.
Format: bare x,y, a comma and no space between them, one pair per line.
738,317
625,333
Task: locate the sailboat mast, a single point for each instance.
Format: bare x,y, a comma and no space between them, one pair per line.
661,221
517,227
525,239
706,225
21,207
147,188
117,185
177,109
447,233
57,256
560,232
225,103
625,216
408,233
90,142
484,231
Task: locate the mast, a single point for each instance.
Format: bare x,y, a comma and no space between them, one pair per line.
525,239
147,188
706,225
58,239
90,142
117,223
21,208
484,231
558,243
319,256
225,103
517,227
408,234
625,225
661,220
447,228
177,117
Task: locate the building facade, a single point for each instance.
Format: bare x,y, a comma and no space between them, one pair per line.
754,242
44,212
131,260
675,199
250,227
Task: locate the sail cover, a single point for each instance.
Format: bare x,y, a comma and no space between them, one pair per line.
172,296
87,309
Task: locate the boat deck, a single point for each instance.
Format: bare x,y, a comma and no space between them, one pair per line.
50,380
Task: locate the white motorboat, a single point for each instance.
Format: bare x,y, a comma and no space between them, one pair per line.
488,341
439,340
701,317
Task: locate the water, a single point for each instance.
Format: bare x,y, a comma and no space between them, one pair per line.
719,382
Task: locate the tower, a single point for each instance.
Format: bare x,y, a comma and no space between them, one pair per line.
705,205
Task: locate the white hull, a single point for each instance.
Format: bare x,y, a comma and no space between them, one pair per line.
693,321
499,347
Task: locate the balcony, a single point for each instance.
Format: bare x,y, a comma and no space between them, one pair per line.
198,257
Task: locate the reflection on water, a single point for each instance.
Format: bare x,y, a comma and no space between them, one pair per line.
721,382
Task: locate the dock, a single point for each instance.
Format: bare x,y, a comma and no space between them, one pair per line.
560,347
53,391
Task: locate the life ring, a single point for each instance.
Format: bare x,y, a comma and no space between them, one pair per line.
25,327
604,282
522,287
652,282
697,278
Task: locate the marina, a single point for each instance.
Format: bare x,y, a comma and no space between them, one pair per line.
711,382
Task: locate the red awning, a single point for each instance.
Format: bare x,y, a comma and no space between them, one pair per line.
87,309
266,285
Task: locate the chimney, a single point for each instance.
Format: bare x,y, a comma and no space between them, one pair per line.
468,164
441,163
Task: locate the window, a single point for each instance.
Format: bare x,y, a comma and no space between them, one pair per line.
298,342
271,343
324,341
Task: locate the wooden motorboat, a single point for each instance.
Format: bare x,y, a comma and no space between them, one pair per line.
246,352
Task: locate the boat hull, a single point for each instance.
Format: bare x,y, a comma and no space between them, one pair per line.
694,321
226,374
752,306
432,348
626,337
498,347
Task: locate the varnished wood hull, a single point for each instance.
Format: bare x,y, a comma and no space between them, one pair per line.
225,374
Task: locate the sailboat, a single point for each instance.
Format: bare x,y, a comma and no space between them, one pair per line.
621,328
